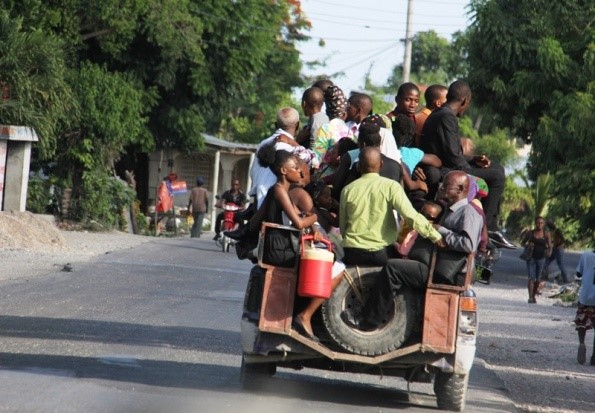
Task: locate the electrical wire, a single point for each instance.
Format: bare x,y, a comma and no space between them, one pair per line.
383,11
351,19
366,59
262,28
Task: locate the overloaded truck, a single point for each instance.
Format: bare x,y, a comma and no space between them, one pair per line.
427,335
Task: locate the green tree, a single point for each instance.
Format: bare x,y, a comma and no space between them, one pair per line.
434,60
498,145
145,73
33,81
533,64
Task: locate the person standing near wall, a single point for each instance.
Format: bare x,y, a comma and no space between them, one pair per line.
198,204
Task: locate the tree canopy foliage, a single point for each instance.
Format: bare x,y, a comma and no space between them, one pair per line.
33,78
434,59
532,62
97,77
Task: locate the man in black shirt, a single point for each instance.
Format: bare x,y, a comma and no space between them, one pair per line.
440,136
348,171
234,196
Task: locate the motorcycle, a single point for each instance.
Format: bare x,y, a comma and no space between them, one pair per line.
227,224
485,261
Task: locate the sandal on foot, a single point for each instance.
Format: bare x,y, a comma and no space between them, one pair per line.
297,325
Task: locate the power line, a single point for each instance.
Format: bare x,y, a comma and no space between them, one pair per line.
373,52
389,21
349,52
268,29
351,19
383,11
365,26
365,59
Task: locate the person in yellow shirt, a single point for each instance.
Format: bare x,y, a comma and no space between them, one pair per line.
366,217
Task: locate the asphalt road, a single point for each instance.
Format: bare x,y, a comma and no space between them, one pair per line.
156,329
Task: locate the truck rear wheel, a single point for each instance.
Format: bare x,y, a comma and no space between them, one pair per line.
394,330
451,390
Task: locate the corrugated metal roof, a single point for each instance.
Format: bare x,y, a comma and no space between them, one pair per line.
232,146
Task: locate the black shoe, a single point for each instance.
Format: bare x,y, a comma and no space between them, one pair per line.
243,250
216,237
253,259
239,233
355,323
500,240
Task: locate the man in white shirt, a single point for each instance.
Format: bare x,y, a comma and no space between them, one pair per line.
359,106
288,123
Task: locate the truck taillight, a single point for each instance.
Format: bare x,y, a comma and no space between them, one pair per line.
468,304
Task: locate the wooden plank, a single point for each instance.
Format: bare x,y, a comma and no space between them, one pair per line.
277,300
440,320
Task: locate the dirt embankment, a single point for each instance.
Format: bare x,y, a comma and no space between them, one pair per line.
31,244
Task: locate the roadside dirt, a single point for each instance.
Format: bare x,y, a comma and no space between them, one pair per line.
31,245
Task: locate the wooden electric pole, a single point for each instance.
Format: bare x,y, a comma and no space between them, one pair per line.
408,40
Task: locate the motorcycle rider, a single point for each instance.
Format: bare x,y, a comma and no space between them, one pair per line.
233,196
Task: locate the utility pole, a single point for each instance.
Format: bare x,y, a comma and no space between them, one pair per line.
408,40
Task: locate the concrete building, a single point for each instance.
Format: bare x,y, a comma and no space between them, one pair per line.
219,163
15,158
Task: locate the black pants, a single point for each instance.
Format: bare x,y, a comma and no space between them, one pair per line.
495,179
357,256
393,276
219,219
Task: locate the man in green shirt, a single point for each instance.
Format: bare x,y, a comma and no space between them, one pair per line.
366,217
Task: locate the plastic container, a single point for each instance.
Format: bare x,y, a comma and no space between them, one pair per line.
315,270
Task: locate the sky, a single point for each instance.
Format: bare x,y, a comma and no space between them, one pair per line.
360,33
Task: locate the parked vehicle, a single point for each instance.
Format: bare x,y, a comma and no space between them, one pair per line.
426,336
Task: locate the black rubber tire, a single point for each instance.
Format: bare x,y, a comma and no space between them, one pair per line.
256,375
391,334
451,390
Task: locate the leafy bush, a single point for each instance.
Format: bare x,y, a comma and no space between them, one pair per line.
102,199
39,196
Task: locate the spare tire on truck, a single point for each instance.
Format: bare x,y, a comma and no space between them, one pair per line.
350,295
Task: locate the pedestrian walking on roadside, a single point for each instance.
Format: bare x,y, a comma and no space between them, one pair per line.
585,313
558,244
539,240
198,204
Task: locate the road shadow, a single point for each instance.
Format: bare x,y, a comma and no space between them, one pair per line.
203,376
194,338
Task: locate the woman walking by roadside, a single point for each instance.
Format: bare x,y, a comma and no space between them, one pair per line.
539,240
